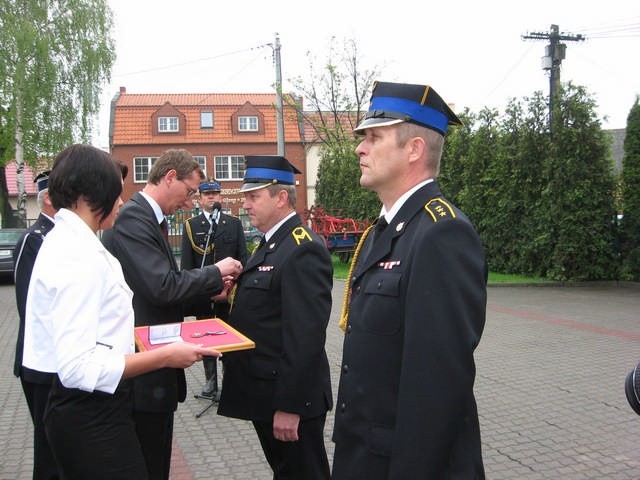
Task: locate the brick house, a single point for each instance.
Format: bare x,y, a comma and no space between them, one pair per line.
218,129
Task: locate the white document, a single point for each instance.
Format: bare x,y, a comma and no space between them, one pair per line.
167,333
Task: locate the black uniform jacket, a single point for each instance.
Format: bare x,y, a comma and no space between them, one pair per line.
283,303
159,290
24,257
227,241
405,406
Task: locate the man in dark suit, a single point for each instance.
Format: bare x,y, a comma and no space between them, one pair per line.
282,302
207,238
138,240
35,384
414,307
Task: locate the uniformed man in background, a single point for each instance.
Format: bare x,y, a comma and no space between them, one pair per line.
206,238
414,308
35,384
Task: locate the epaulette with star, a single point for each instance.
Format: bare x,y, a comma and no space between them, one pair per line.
439,209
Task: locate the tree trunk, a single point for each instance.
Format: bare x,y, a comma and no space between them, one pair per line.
20,207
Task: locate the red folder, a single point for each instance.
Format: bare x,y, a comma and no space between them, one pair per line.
228,341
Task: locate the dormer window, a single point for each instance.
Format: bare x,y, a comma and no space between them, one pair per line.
248,124
168,124
206,119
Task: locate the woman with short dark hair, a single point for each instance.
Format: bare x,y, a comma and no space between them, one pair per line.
79,301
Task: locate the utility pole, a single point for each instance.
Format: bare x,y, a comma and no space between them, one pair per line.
279,117
554,54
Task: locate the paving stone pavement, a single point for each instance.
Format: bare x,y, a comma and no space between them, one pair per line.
550,389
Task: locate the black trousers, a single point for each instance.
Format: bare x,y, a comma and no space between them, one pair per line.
155,432
44,465
305,459
92,435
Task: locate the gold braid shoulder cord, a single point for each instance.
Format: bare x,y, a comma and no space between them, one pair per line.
347,290
196,248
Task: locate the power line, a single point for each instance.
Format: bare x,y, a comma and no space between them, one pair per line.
510,71
628,27
191,62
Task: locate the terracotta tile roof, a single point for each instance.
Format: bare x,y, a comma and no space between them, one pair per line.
133,112
12,180
195,99
315,121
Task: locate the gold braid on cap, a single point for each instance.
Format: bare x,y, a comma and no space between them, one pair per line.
347,290
196,248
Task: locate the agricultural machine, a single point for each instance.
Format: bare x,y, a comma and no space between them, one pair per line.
341,235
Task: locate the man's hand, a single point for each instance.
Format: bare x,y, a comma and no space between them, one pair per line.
224,294
285,426
229,267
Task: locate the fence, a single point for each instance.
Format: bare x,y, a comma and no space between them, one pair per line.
175,223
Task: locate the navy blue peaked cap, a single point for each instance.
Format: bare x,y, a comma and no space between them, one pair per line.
209,186
264,170
393,103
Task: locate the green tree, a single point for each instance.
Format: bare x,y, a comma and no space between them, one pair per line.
577,204
630,245
543,206
455,155
517,175
338,188
55,58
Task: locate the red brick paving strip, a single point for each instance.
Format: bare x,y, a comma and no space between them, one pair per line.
179,468
564,322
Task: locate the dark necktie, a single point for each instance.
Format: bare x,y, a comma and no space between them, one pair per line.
165,229
373,236
379,228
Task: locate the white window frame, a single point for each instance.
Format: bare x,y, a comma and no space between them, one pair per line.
206,119
248,123
168,124
202,160
226,166
141,168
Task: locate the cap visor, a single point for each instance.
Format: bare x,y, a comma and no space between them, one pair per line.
376,122
248,187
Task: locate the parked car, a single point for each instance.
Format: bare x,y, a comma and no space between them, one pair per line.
8,239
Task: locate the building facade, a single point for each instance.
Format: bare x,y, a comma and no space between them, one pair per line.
217,129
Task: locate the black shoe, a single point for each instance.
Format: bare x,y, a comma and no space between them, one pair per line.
214,396
210,389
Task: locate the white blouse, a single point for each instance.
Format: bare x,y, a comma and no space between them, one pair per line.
79,318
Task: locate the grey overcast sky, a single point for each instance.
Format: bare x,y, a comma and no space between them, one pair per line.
471,52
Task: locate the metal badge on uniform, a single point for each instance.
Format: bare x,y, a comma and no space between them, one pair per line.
265,268
400,226
272,246
389,265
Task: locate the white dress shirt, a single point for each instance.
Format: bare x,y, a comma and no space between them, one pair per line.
395,208
79,317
